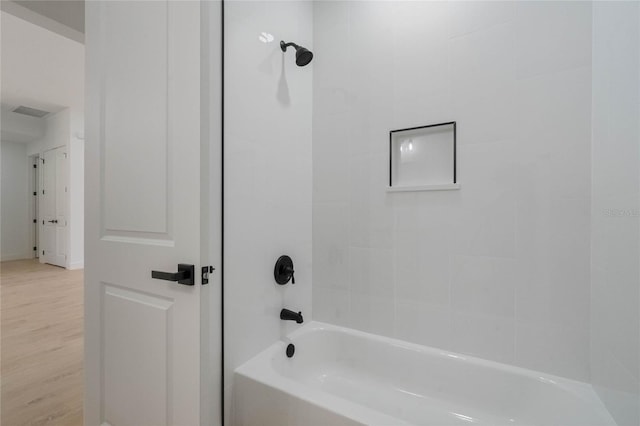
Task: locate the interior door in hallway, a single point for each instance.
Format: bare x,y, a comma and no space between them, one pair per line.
146,201
53,203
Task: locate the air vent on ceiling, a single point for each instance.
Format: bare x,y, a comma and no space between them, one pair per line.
31,111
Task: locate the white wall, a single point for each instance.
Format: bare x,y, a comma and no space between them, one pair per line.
40,68
46,70
267,204
615,209
19,127
76,190
57,133
15,220
500,268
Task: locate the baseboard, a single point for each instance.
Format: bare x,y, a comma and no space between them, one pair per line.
9,257
76,265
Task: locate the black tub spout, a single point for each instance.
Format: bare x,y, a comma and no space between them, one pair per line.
288,315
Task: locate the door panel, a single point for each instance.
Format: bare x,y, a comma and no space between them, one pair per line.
137,129
48,208
135,366
53,204
143,202
61,203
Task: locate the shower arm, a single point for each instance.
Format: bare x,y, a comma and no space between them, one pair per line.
284,46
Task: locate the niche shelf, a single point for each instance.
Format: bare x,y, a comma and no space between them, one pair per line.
423,158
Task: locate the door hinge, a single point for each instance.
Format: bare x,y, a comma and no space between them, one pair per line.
35,193
35,248
35,221
35,166
206,270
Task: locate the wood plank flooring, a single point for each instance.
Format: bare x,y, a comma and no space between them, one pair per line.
41,344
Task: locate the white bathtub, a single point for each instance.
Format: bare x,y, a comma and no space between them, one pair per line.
340,376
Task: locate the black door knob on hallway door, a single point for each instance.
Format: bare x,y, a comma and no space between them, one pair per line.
185,274
283,272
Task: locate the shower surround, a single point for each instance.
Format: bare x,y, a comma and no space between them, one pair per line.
511,268
615,209
500,268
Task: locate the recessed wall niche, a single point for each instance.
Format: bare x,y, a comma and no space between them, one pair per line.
423,158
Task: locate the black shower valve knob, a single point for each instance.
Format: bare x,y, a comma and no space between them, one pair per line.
283,271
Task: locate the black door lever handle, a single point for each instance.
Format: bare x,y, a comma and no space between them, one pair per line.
185,274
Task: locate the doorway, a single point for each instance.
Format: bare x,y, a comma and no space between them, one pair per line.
42,218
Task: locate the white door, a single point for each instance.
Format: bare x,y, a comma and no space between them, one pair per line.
143,348
53,201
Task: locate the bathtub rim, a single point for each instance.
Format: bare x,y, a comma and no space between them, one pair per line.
260,368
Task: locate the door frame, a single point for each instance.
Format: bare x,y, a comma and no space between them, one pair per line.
34,203
223,413
212,183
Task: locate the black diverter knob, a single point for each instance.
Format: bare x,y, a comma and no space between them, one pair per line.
283,272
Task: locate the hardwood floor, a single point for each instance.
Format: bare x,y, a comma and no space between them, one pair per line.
41,325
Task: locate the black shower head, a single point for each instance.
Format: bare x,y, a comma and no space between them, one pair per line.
303,55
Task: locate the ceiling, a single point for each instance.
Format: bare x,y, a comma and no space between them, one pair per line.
39,68
64,17
20,128
67,12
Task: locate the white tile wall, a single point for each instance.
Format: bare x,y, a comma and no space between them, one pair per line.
615,209
500,268
268,187
551,36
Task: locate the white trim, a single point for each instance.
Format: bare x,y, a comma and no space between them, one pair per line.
76,265
16,256
443,187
